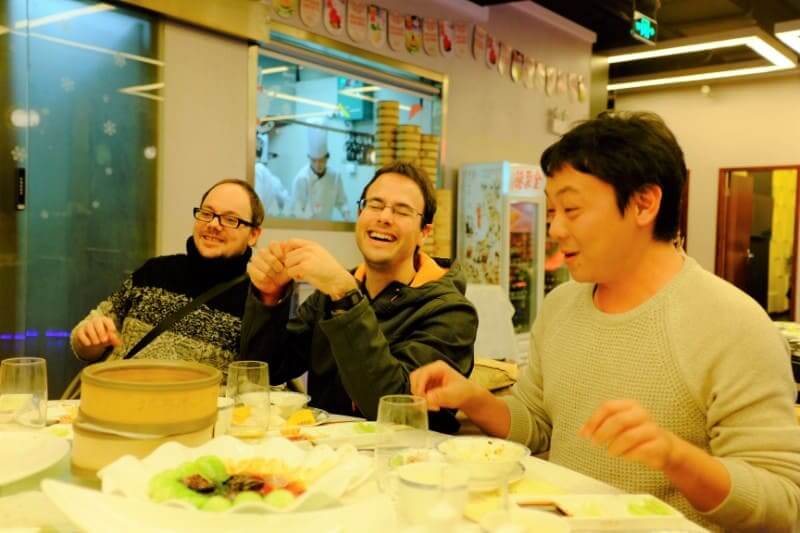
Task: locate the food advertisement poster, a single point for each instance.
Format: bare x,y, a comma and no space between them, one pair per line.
430,36
376,16
311,12
357,20
478,43
446,38
481,201
284,8
461,38
397,31
334,16
491,52
413,36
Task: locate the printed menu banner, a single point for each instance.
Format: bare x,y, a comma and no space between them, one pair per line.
478,43
503,58
284,8
461,38
550,82
541,75
377,25
581,89
528,72
491,52
446,37
397,31
311,12
334,16
561,84
357,20
413,37
572,83
430,36
517,61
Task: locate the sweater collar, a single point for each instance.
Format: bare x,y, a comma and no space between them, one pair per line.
217,269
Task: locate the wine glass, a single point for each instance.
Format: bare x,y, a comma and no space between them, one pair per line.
23,391
402,423
248,387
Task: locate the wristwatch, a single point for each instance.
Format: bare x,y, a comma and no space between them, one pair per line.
346,302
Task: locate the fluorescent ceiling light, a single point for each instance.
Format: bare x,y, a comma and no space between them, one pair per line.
82,46
301,100
354,92
65,15
274,70
140,90
294,116
364,89
758,41
789,33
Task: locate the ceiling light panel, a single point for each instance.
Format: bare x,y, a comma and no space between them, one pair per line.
789,33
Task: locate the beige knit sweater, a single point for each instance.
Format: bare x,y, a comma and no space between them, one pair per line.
707,363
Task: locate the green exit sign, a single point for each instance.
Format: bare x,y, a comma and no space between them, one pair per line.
644,28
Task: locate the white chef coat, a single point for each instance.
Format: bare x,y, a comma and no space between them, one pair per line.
315,197
269,188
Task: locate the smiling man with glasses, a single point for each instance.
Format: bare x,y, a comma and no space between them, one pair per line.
362,332
226,226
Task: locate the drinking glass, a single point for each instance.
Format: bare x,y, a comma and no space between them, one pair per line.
248,387
23,391
402,423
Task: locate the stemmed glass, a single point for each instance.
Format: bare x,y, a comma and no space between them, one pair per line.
23,391
402,423
248,386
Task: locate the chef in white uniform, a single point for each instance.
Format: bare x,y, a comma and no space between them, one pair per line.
268,186
318,189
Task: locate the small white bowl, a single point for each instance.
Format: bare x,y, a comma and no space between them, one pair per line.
486,459
286,403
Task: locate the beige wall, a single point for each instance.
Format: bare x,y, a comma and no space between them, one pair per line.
743,124
204,125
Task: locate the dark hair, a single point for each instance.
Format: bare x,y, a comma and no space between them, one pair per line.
630,151
418,176
256,207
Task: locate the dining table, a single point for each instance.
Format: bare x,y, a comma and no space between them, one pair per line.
55,500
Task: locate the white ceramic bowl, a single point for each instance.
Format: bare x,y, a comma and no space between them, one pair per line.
486,459
286,403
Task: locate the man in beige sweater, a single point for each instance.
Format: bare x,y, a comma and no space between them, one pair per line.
646,371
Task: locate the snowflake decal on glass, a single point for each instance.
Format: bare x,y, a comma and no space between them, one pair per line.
106,99
109,128
45,111
19,154
119,60
68,85
150,152
109,171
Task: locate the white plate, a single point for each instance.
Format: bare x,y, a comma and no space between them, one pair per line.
95,512
24,453
480,486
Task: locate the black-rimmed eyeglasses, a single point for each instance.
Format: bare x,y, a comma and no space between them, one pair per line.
376,205
229,221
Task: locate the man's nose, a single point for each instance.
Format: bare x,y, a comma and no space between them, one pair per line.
557,229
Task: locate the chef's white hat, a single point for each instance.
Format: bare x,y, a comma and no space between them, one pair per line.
317,143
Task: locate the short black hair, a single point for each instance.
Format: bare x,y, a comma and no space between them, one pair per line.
418,176
256,207
630,151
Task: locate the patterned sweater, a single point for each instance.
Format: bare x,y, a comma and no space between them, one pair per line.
707,363
209,334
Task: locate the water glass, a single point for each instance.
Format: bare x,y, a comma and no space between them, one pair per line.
248,387
23,391
402,423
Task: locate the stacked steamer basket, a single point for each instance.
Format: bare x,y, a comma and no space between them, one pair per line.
408,141
429,155
443,224
386,125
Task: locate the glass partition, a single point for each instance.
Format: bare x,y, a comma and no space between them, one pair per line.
78,155
325,124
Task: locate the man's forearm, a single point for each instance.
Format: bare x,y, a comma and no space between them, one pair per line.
701,477
488,412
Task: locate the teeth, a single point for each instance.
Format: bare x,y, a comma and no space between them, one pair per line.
381,236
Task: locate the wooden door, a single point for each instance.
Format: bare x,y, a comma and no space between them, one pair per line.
734,218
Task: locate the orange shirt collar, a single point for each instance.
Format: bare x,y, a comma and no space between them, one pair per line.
428,270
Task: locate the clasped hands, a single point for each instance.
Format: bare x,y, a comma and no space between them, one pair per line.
272,268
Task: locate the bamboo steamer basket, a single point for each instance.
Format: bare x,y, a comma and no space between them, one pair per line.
132,407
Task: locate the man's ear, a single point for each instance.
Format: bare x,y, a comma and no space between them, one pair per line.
646,203
255,233
426,231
